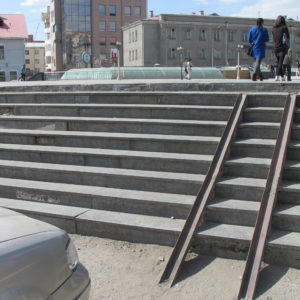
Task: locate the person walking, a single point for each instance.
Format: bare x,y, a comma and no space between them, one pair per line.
188,69
23,73
281,37
258,36
287,64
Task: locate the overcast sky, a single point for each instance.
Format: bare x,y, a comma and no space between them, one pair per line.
264,8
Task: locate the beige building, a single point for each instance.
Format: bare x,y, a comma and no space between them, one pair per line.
84,33
35,57
210,40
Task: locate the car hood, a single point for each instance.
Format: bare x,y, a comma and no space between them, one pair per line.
17,225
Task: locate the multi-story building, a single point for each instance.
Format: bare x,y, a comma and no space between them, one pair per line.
210,40
13,33
34,56
84,33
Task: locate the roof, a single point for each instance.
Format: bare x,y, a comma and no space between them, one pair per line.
13,27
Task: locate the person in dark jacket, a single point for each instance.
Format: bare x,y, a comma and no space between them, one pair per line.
281,39
258,36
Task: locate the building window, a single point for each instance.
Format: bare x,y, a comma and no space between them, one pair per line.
217,54
136,55
136,35
202,54
137,11
112,26
102,10
36,61
112,10
231,36
187,53
27,61
172,35
129,37
172,53
48,59
102,26
47,35
217,35
102,41
127,11
13,75
202,36
297,38
2,76
132,36
113,41
244,36
26,52
2,52
37,52
188,34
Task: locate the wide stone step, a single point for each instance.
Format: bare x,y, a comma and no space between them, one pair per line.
262,148
287,217
243,188
292,170
267,99
125,125
233,211
247,167
112,199
181,112
138,160
121,97
262,114
110,140
230,241
258,130
165,182
289,192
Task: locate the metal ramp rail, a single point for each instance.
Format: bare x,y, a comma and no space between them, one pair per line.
268,201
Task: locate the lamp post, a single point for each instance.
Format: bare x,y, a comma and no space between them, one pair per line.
180,50
119,44
239,49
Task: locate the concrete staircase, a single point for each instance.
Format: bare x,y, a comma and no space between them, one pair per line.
128,166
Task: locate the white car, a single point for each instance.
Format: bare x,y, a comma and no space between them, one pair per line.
38,261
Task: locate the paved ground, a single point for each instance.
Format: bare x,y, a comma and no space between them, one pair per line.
123,271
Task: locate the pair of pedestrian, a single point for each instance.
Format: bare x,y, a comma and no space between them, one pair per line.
258,36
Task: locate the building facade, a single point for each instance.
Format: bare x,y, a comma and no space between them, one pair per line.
209,40
84,33
13,33
35,57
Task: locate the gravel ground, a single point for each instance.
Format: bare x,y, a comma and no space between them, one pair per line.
121,271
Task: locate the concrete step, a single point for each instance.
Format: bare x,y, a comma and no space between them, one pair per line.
289,192
108,158
233,211
109,199
260,148
293,152
287,217
230,241
258,130
153,181
110,140
141,111
124,125
247,167
292,171
296,131
266,100
262,114
243,188
121,97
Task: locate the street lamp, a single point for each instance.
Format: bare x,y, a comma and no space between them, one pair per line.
239,49
180,50
119,44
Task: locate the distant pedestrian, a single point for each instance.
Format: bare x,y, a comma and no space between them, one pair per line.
298,68
258,36
287,64
23,73
188,69
281,37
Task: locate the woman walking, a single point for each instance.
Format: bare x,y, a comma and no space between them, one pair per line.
281,39
258,36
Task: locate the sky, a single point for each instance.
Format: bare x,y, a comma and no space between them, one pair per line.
256,8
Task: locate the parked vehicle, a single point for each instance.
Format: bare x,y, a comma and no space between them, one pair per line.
38,261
